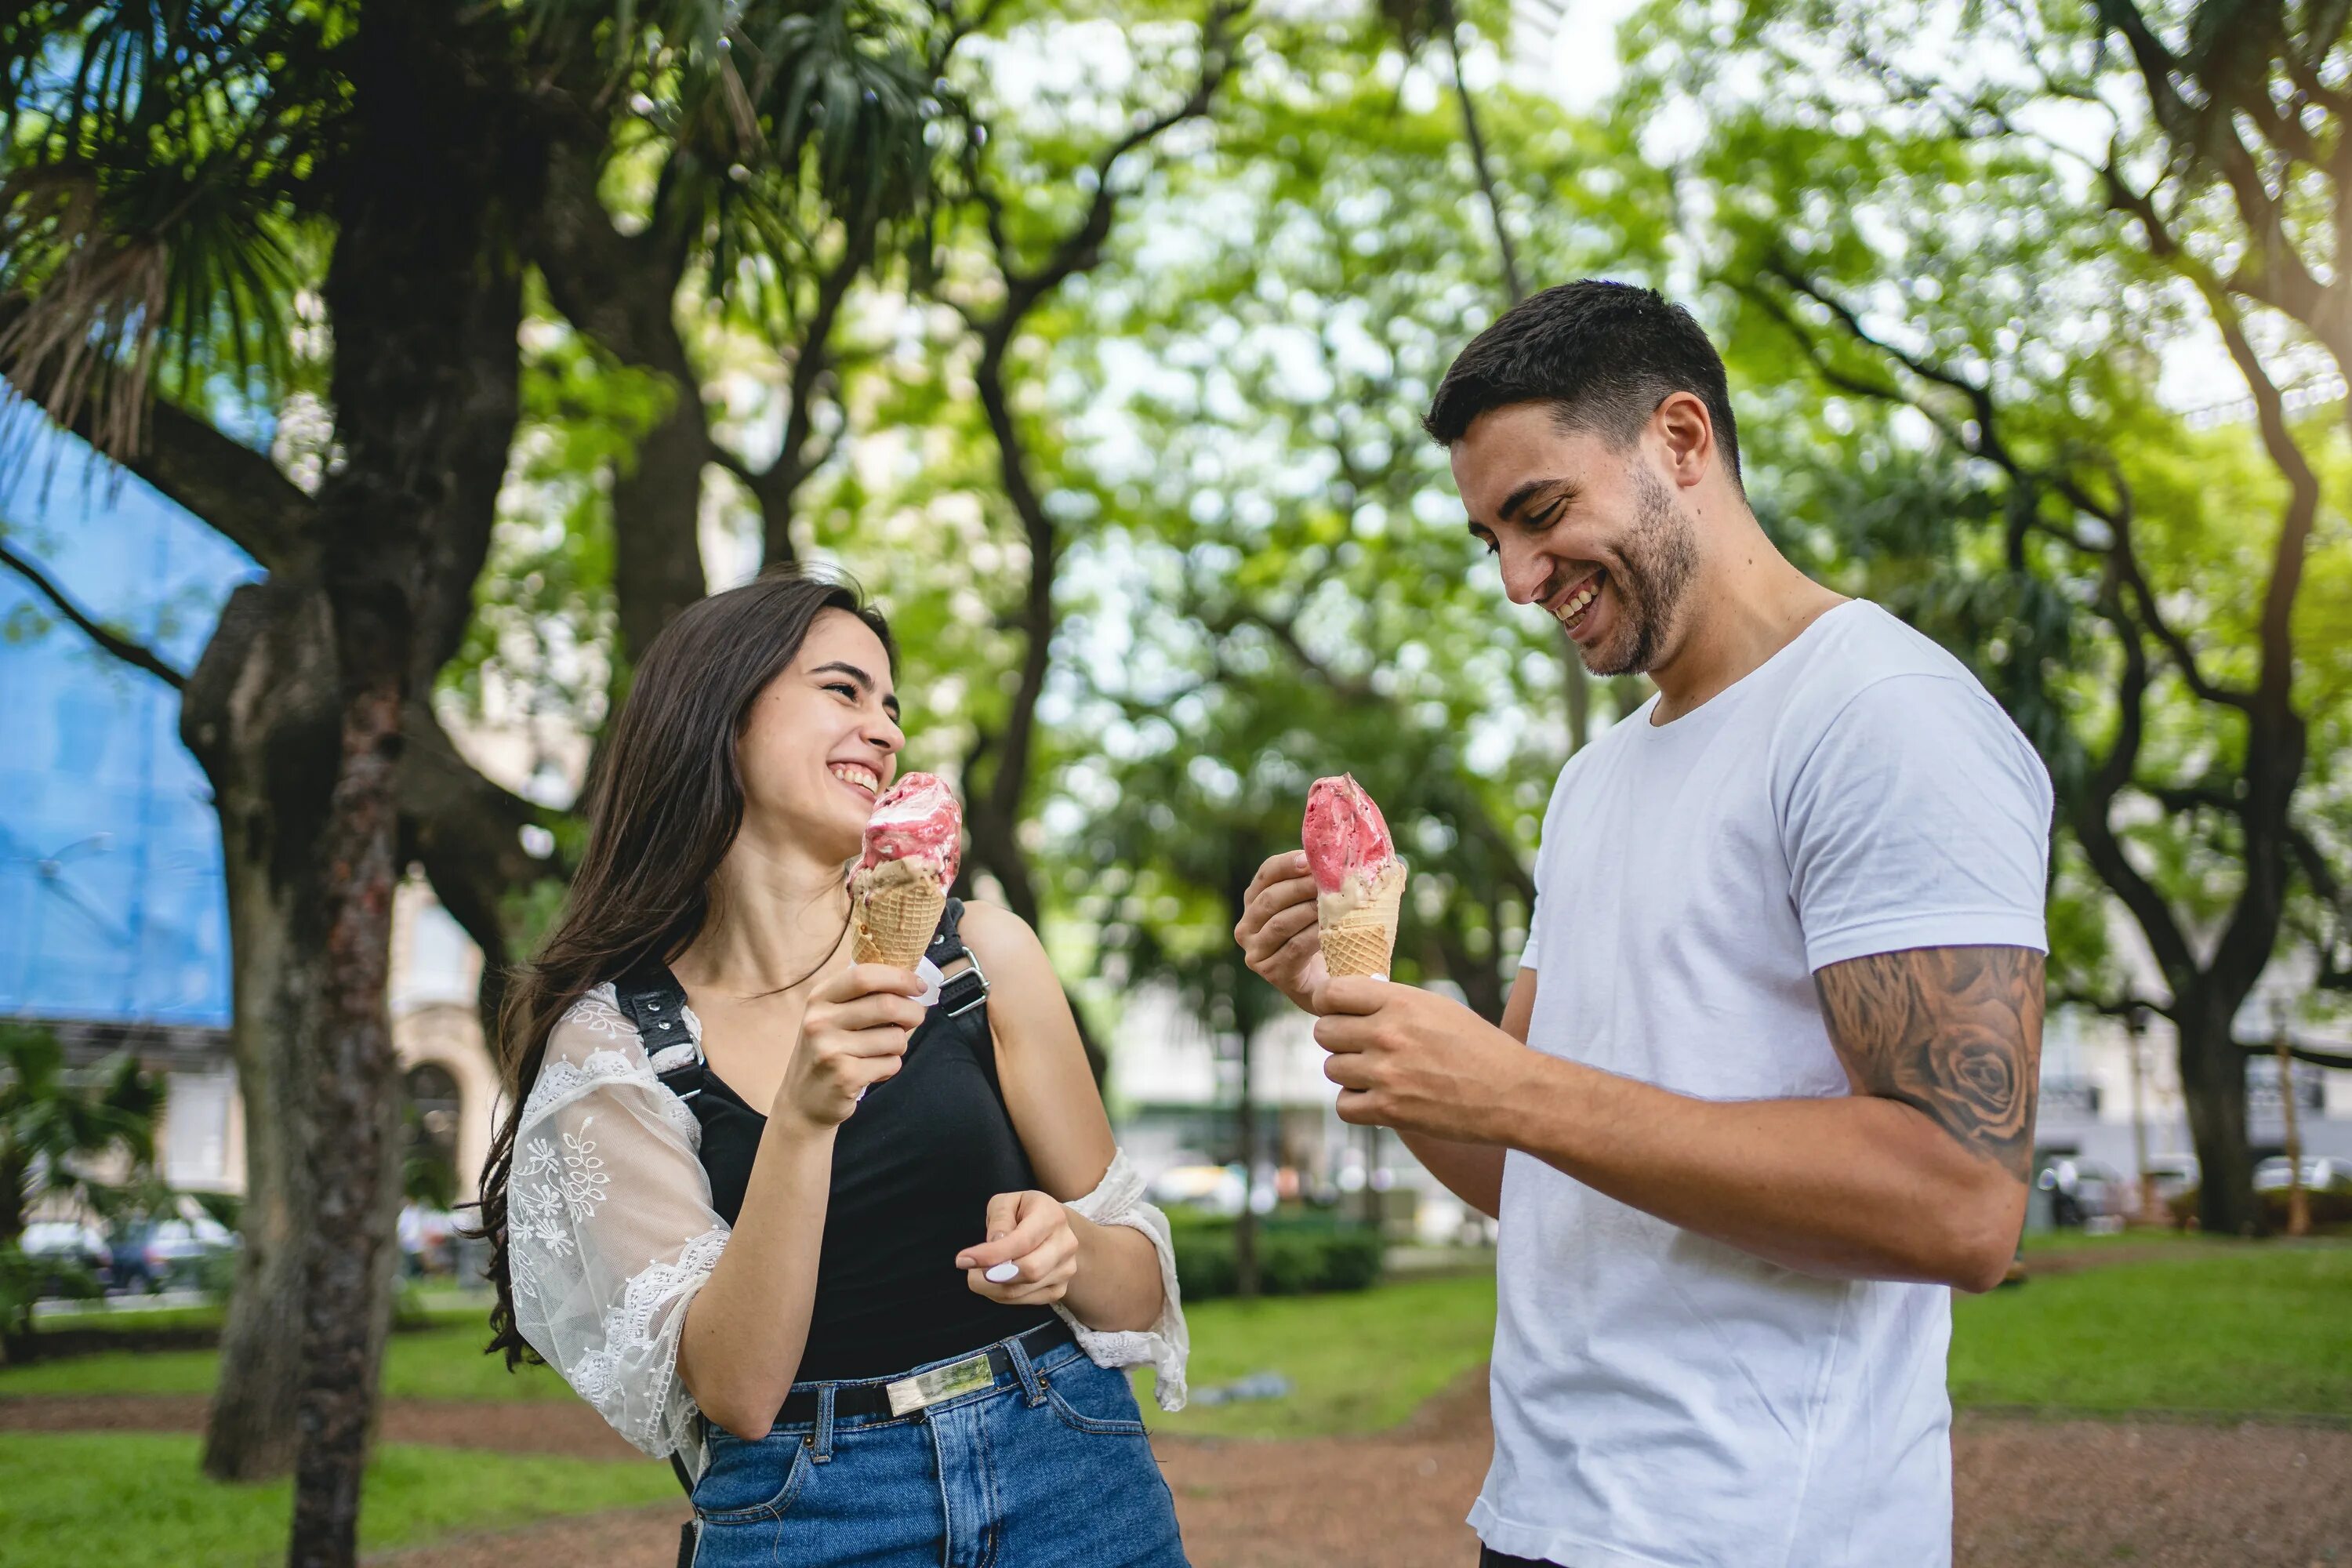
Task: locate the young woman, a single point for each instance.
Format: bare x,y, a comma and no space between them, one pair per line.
853,1244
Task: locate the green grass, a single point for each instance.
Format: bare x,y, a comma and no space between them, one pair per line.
1358,1362
428,1364
137,1500
2230,1328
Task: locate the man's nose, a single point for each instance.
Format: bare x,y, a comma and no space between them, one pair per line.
1525,573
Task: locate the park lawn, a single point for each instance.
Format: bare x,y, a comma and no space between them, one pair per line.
2227,1329
1359,1362
119,1500
424,1364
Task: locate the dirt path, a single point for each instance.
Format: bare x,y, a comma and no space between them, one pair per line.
2029,1494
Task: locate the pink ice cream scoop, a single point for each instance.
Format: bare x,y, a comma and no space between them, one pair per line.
917,820
1345,832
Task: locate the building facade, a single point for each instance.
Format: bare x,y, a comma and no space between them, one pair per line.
113,917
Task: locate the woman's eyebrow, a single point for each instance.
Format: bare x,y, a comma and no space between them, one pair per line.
858,678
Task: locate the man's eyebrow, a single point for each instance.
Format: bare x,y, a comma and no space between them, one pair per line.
1524,494
863,681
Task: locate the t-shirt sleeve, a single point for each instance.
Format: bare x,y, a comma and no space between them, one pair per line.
1919,818
1528,955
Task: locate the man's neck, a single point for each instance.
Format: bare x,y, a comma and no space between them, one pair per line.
1747,605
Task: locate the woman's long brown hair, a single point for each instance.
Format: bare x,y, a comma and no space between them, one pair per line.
661,815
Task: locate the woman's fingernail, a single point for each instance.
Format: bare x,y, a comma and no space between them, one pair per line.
1002,1273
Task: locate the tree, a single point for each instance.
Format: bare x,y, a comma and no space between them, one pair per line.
176,180
1990,297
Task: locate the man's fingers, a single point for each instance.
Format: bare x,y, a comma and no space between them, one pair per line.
1274,899
1281,931
1352,994
1347,1071
1275,869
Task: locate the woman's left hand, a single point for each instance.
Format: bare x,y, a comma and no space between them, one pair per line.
1033,1232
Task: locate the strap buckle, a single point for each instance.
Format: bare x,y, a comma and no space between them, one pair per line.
979,988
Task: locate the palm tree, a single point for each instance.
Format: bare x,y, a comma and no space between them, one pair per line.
57,1131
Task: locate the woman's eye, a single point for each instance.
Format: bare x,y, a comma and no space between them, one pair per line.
845,688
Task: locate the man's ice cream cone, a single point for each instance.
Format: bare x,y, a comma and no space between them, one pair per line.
1359,878
1359,924
899,887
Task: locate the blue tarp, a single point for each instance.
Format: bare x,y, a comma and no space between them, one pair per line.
112,906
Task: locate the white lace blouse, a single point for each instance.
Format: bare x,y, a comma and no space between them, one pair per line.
610,1233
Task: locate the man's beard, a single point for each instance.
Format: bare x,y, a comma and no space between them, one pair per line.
1652,571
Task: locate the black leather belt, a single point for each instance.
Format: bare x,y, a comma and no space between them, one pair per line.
903,1396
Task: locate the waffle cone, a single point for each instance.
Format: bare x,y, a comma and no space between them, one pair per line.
1360,939
899,905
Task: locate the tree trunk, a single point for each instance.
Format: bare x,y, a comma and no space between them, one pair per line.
260,715
2213,1083
426,299
1245,1280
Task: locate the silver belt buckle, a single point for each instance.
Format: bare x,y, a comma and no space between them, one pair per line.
969,1375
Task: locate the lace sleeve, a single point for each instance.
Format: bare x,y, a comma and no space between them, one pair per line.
1118,1199
610,1230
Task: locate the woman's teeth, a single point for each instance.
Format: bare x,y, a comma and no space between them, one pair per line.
858,777
1572,609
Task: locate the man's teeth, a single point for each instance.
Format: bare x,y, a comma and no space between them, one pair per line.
857,778
1572,610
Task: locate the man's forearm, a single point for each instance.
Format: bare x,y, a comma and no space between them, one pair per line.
1471,1172
1851,1187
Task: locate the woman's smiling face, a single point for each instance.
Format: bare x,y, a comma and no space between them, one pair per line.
821,742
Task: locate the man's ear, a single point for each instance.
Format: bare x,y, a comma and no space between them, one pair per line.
1686,432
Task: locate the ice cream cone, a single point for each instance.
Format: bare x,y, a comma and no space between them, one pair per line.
1359,923
897,906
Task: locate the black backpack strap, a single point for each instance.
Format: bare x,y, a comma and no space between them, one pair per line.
967,988
655,1002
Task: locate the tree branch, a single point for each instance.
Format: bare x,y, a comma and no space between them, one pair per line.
131,653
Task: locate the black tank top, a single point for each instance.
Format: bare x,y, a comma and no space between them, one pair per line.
913,1169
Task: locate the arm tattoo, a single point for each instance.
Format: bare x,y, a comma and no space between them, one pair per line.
1954,1032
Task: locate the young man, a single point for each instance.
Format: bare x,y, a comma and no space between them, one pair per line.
1764,1089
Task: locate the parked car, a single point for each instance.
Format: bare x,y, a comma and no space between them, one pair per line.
169,1254
2171,1175
2082,1190
72,1250
2320,1173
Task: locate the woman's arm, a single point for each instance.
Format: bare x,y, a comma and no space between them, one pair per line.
1106,1275
749,1325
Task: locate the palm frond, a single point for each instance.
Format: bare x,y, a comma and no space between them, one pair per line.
156,158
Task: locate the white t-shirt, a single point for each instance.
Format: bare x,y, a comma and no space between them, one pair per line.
1660,1398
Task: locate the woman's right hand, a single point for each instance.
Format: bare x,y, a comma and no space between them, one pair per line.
853,1037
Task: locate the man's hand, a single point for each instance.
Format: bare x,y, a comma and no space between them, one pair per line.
1406,1059
1277,929
1029,1256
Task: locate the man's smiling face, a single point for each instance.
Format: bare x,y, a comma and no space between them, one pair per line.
1589,532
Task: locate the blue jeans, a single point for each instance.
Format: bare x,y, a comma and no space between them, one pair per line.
1048,1468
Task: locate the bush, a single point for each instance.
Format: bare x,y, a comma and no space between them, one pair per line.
1295,1257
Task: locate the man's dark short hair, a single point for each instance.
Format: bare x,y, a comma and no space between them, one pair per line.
1604,355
